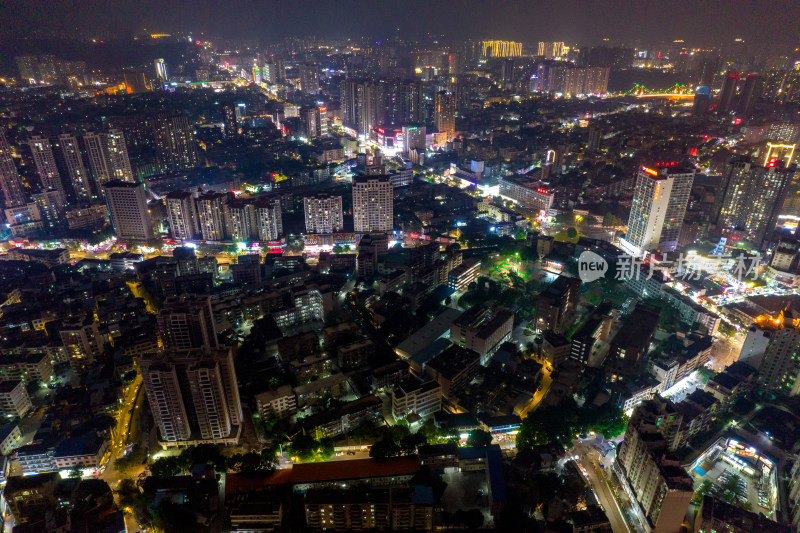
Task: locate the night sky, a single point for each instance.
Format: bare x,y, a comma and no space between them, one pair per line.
764,23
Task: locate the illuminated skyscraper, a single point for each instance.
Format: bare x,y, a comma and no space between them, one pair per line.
193,395
108,157
10,184
27,67
269,219
161,70
211,216
360,101
323,213
45,163
174,140
127,203
659,205
445,114
550,49
135,82
309,78
187,323
751,197
751,92
73,163
501,49
182,215
231,124
727,93
373,204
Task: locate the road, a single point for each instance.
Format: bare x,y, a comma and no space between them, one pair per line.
600,487
544,386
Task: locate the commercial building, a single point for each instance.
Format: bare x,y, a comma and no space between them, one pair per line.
373,208
193,395
323,213
527,192
127,202
80,452
659,205
550,50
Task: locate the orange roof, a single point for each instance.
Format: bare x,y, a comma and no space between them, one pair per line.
353,469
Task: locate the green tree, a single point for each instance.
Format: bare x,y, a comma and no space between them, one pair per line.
572,232
325,449
479,439
337,249
166,467
384,449
589,221
565,218
76,472
702,492
303,446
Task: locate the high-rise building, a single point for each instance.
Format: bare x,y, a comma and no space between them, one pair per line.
311,121
507,72
73,163
779,370
445,114
309,78
659,205
360,101
231,123
751,92
10,184
182,215
240,219
727,93
550,49
174,140
501,49
108,157
403,103
52,205
127,203
187,323
373,208
702,101
161,70
45,162
751,197
27,67
211,216
269,219
323,213
656,482
135,82
193,396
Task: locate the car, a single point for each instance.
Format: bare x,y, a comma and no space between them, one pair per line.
339,454
351,453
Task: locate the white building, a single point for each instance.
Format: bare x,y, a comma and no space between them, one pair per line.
323,213
373,208
14,399
659,205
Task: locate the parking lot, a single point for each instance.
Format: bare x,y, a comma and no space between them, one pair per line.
738,475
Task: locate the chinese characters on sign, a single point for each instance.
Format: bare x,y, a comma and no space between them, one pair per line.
688,268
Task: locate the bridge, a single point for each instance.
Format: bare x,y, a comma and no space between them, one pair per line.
677,91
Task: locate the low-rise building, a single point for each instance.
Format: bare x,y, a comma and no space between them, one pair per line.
413,396
14,399
82,452
281,402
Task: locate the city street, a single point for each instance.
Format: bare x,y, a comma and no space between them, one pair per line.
595,475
